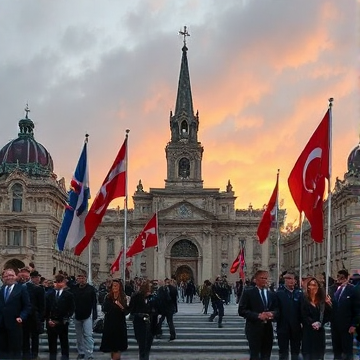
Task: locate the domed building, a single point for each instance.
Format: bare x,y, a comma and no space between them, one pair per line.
31,206
345,224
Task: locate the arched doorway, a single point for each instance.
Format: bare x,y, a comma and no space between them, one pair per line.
184,261
183,273
14,264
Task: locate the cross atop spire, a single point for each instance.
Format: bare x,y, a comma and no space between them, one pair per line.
184,33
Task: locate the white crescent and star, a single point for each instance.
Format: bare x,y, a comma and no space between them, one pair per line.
316,153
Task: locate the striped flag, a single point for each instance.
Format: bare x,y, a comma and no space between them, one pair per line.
72,228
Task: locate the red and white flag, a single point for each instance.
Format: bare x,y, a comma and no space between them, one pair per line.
148,237
114,186
269,215
116,264
307,178
235,265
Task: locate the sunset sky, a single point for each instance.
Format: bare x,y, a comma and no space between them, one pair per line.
261,74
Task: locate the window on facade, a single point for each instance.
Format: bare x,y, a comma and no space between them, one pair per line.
95,247
110,247
184,248
32,238
17,198
14,238
184,168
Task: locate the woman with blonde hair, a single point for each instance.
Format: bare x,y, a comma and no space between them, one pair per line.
114,338
315,312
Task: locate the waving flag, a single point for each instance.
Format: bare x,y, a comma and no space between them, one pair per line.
307,178
269,215
114,186
72,228
148,237
116,264
236,263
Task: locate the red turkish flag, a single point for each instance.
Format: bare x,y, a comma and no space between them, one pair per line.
269,215
307,178
148,237
114,186
235,265
116,264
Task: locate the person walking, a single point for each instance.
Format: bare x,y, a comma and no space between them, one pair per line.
14,309
219,294
345,316
205,295
144,308
259,307
315,312
114,338
85,314
289,327
190,291
60,306
167,295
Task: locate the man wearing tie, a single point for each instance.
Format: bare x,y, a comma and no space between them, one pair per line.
259,307
60,306
14,308
345,316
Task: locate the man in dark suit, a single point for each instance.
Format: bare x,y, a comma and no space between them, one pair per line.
259,307
60,307
289,319
14,308
167,295
345,316
33,325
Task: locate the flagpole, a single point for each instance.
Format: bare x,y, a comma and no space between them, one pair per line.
328,250
125,206
278,232
300,250
89,248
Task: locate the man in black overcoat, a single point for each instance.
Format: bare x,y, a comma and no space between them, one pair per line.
60,307
33,325
14,309
289,319
167,295
345,316
259,307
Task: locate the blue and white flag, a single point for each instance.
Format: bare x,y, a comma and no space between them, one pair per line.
72,228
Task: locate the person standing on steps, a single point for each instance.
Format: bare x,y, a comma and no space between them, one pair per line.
167,295
85,314
144,308
205,295
259,307
219,294
289,326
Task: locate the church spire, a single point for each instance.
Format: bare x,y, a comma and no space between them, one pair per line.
184,123
184,98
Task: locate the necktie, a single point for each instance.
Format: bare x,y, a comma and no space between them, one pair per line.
338,292
57,294
262,292
6,293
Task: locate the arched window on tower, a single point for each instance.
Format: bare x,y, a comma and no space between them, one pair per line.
184,128
184,168
17,198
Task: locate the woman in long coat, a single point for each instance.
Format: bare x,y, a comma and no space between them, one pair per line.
144,307
315,312
114,337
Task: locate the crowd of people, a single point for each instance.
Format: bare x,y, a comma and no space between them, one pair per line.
298,311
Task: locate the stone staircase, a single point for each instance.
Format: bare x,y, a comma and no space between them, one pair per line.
194,334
